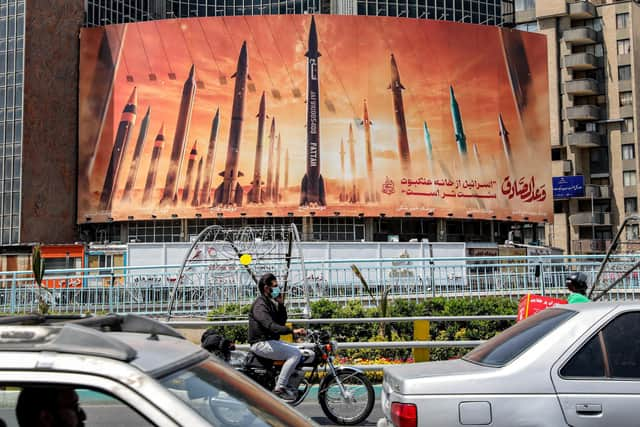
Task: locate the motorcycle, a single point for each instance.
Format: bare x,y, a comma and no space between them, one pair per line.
345,394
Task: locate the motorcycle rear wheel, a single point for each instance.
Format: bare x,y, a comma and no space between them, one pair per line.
359,404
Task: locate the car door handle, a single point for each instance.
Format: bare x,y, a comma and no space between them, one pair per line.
588,408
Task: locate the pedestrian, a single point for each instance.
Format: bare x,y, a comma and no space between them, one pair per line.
577,285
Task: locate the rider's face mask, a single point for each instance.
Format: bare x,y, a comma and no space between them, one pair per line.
275,292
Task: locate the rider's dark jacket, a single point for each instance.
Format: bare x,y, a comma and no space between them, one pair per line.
267,320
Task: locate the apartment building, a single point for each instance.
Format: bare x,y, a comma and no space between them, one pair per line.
593,73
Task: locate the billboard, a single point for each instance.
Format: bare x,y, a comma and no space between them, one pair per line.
312,115
565,187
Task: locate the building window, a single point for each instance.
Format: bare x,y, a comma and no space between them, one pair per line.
531,27
632,231
629,178
521,5
624,47
624,72
630,205
626,98
621,20
628,125
628,152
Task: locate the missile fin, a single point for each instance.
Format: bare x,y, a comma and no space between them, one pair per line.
239,195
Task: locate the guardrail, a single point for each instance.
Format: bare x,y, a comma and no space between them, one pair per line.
205,287
346,345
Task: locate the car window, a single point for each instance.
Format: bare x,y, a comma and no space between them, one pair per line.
507,345
224,397
587,362
622,343
66,404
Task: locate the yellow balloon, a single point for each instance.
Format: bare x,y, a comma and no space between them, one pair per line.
245,259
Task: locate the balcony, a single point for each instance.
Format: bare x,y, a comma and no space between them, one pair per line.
580,36
586,218
582,87
581,61
597,191
584,139
583,112
590,246
582,10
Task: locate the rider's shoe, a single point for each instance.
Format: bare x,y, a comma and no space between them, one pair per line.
285,394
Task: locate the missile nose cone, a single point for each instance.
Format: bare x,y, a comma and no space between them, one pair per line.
161,131
262,104
133,98
194,149
243,51
451,94
312,48
192,72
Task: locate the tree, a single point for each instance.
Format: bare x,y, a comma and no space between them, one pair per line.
38,268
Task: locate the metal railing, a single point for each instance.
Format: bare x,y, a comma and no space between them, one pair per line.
348,345
207,287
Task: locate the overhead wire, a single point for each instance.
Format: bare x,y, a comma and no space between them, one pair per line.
199,82
171,74
274,91
296,92
152,75
221,77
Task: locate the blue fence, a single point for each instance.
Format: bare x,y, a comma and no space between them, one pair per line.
204,287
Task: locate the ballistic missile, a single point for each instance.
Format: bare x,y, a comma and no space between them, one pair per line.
353,196
272,145
196,189
427,142
191,162
125,128
170,193
401,123
133,169
476,155
153,165
343,187
504,136
372,195
276,186
461,139
230,192
312,191
256,193
286,170
205,192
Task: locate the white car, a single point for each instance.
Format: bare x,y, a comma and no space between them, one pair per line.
571,365
125,371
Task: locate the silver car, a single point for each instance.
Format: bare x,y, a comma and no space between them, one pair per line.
570,365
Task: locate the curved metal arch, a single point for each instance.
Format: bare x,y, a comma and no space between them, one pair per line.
233,243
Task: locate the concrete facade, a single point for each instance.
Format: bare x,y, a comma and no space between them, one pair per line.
593,74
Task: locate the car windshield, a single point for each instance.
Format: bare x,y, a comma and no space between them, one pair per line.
225,397
507,345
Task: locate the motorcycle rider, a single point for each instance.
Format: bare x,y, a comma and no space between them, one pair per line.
577,285
267,321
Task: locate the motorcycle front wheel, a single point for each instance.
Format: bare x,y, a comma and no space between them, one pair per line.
355,405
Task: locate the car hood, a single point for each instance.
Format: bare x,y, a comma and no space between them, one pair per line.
458,377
